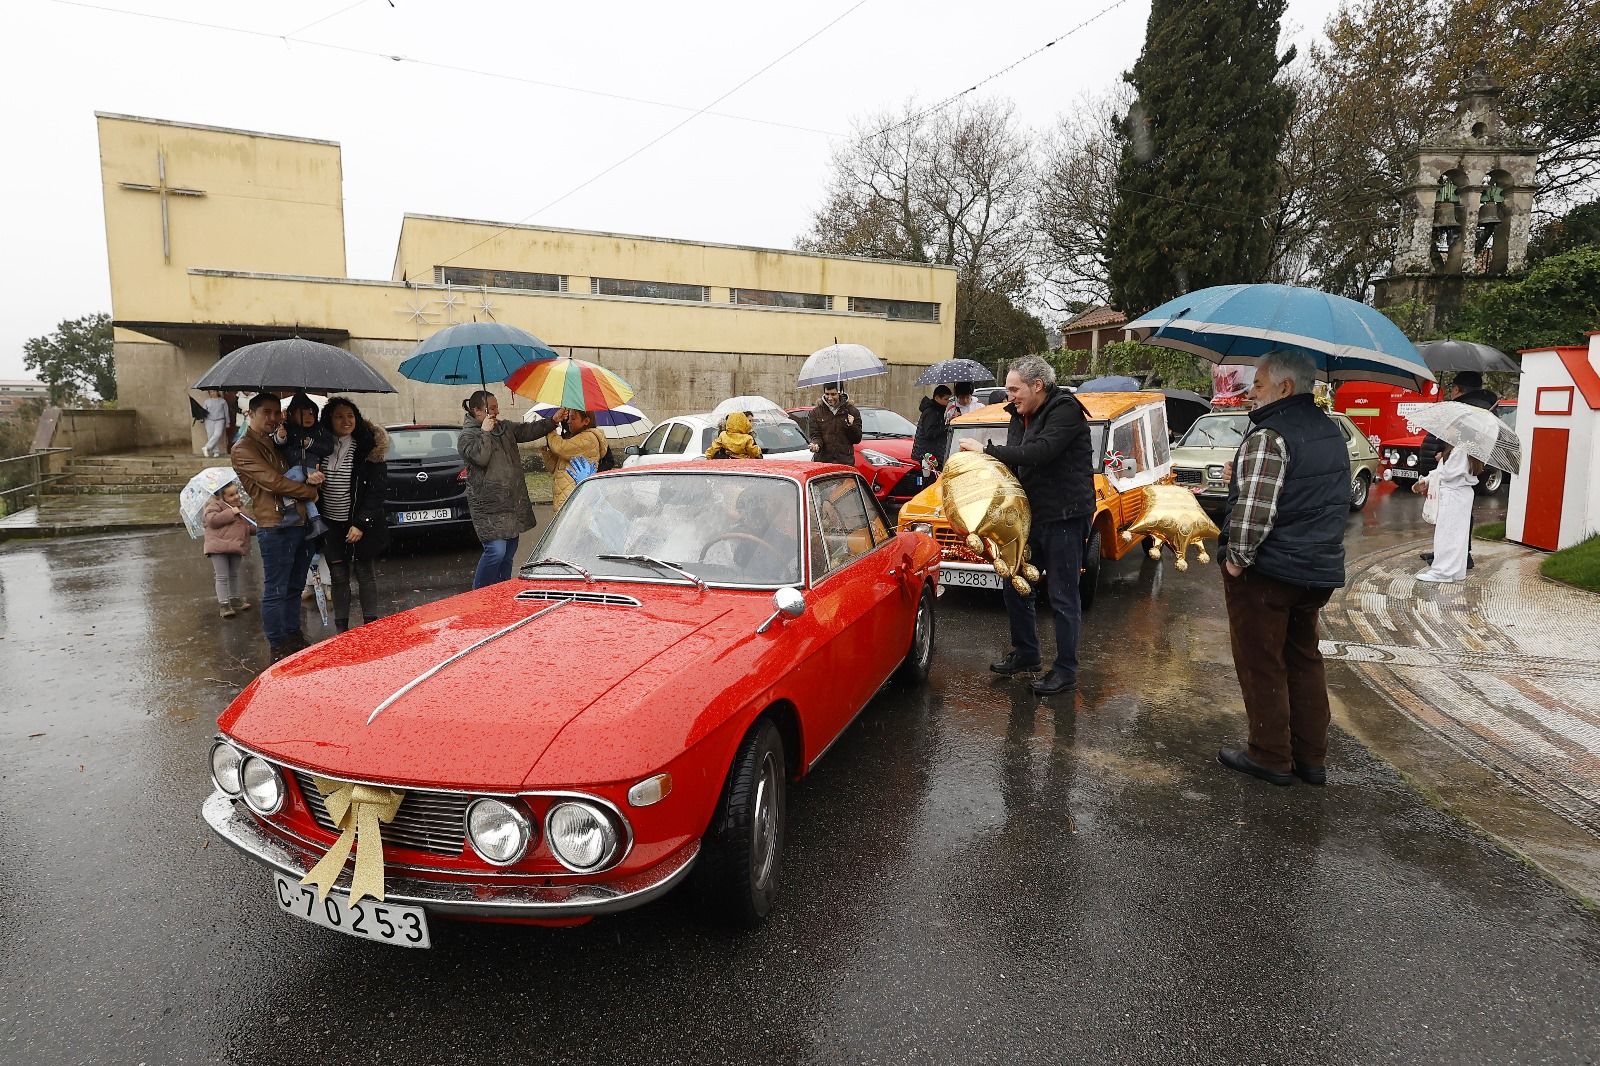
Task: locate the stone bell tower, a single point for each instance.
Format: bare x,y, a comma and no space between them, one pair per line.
1469,207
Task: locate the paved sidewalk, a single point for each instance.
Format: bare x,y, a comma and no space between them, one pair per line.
1503,667
61,516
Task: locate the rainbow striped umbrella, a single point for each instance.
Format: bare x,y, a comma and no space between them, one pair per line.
570,383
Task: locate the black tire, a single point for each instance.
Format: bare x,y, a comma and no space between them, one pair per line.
918,663
741,855
1089,580
1490,481
1360,490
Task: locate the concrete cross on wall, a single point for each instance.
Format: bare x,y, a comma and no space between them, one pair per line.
163,190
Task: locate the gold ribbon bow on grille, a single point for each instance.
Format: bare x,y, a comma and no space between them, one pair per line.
358,811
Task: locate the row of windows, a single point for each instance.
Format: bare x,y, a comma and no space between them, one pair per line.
895,310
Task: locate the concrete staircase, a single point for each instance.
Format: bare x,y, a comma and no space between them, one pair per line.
132,474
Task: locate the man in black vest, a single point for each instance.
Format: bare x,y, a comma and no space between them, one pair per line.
1282,553
1048,448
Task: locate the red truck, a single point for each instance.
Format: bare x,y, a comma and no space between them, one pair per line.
1380,411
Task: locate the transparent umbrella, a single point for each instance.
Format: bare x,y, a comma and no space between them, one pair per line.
1478,432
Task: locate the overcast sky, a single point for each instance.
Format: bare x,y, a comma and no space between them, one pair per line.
418,137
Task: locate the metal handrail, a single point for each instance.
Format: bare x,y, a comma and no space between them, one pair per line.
33,486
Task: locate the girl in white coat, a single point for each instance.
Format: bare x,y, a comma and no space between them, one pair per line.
1452,484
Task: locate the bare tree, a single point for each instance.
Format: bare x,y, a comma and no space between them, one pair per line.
1076,194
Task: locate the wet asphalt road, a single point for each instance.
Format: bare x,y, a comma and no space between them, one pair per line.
973,875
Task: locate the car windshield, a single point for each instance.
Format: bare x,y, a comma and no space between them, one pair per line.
995,433
779,437
429,442
877,422
725,528
1216,431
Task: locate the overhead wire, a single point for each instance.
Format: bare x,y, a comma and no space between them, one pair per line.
292,40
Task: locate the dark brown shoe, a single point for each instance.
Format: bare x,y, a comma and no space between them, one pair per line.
1311,775
1236,759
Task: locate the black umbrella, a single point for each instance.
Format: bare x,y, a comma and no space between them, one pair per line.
290,364
1183,408
1445,356
950,371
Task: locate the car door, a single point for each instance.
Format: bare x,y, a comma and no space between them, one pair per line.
853,595
672,446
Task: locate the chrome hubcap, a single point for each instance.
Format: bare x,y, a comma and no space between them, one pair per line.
765,829
923,638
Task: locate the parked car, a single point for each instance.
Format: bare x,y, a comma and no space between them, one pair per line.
1198,457
1129,450
884,454
628,712
427,479
1404,460
686,437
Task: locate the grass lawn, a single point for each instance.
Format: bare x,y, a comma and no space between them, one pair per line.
1578,565
1490,531
538,486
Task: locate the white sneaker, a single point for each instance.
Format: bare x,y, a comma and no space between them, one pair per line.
1438,579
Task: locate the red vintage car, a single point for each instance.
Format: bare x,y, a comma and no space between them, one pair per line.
626,713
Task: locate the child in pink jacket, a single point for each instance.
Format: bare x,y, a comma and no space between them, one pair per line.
228,532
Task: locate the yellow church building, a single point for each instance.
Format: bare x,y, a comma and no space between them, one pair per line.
217,238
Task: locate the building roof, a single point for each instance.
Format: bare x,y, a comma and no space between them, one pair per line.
212,129
21,383
1096,317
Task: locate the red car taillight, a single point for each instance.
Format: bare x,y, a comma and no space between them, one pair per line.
462,477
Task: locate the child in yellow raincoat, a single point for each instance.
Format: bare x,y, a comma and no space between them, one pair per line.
735,441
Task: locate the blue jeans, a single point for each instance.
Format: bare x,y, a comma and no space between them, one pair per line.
1058,551
495,563
285,558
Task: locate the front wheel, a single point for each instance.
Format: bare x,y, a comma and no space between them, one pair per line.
742,853
1491,481
917,664
1089,579
1360,489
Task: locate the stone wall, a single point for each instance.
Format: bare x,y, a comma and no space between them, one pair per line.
87,431
153,379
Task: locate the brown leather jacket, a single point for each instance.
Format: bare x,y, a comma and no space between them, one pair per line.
260,468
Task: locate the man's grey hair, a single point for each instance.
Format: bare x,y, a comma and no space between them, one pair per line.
1031,368
1283,365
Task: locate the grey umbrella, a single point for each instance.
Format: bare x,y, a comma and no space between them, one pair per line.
1445,356
292,363
950,371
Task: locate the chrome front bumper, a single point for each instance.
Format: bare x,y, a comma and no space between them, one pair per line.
460,898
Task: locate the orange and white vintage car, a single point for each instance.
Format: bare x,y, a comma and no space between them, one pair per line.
1129,449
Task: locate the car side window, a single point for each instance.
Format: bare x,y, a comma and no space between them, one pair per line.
678,439
876,520
840,529
1160,439
707,435
1129,446
655,443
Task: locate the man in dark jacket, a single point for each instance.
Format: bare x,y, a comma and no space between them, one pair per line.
1466,387
835,427
1048,448
930,436
1282,554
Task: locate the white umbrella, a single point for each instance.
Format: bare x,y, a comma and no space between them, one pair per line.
759,408
1478,432
840,362
194,496
617,423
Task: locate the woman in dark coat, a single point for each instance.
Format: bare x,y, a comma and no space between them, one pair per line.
497,493
356,480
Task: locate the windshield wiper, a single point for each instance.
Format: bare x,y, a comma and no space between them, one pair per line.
550,560
651,560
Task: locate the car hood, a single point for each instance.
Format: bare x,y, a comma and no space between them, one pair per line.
483,720
1201,456
894,447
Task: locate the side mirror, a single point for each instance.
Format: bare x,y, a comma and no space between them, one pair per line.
632,450
787,602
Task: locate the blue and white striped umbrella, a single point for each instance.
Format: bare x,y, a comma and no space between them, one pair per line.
1240,323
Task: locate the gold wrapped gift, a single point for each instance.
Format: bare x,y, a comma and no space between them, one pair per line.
1172,516
985,501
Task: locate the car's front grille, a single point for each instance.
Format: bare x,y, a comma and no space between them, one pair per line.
610,599
954,545
426,821
1186,476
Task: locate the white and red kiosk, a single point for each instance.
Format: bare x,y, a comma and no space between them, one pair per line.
1555,502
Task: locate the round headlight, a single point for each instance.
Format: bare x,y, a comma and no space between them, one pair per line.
498,831
921,527
263,787
581,836
226,761
1411,460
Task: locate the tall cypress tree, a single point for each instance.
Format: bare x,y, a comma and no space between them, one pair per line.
1198,171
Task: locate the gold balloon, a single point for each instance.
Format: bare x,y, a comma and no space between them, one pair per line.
1174,517
985,501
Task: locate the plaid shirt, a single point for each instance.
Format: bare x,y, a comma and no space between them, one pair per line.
1259,471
